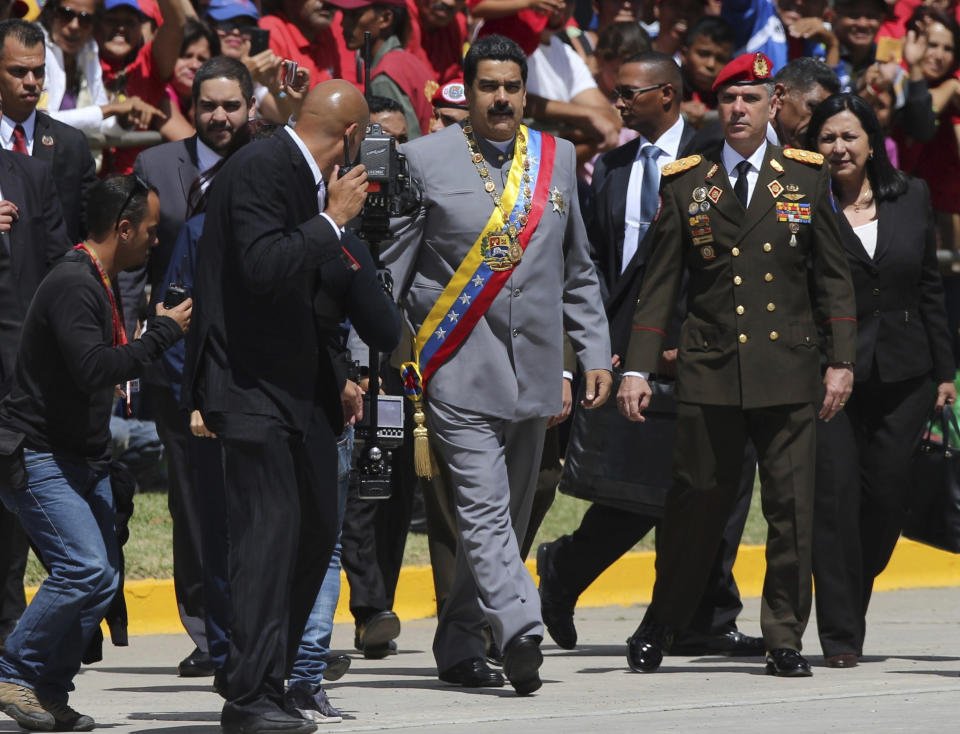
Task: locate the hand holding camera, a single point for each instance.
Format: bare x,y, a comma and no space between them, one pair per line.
346,194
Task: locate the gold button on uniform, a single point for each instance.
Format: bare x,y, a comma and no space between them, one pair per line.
743,338
774,336
768,277
767,247
735,252
737,280
740,310
771,307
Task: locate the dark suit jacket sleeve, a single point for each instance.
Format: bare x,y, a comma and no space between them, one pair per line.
372,313
932,308
269,252
58,241
88,179
660,287
832,288
597,234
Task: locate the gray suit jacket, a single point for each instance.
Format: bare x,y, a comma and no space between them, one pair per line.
511,364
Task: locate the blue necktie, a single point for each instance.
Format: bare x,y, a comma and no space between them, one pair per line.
649,189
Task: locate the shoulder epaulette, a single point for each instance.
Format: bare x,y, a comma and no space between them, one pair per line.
679,166
804,156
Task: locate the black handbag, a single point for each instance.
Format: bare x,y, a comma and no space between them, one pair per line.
933,512
618,463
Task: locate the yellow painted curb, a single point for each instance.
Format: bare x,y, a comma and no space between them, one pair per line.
152,606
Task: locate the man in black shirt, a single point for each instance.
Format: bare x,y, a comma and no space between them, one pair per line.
55,446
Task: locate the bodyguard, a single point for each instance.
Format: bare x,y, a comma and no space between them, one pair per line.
754,225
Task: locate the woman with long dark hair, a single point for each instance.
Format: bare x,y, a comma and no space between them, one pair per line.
904,367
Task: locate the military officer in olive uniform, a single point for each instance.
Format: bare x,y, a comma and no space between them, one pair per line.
754,225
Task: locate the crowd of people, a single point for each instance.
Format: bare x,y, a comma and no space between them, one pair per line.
736,219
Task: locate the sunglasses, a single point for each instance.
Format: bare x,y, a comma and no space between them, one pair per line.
67,16
241,25
628,93
139,187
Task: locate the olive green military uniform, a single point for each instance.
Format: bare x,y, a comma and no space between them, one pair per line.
762,280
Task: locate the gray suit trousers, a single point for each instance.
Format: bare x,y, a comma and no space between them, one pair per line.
493,469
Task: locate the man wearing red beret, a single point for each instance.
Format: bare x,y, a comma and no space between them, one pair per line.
754,225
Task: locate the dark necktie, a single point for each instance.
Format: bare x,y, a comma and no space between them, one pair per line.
20,140
742,188
649,189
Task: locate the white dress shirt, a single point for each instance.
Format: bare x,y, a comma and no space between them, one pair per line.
207,158
731,159
669,143
6,131
317,176
867,233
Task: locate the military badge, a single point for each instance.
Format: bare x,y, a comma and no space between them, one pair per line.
794,197
704,206
714,194
704,239
761,69
497,252
793,212
775,188
708,253
693,208
556,198
775,165
792,187
794,227
713,170
699,194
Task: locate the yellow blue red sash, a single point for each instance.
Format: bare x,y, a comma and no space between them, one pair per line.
475,284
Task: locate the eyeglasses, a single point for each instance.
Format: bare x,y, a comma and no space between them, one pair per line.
67,16
243,26
139,186
628,93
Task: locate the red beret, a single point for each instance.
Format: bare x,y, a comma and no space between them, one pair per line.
450,94
745,69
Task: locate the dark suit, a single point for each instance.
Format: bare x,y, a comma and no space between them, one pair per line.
259,372
67,152
748,368
865,453
34,242
172,168
607,531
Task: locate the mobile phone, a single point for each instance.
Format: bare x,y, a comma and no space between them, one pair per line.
289,72
176,294
259,40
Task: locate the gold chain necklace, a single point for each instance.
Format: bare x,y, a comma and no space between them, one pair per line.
511,228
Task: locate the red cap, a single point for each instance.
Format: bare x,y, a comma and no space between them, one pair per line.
745,69
451,94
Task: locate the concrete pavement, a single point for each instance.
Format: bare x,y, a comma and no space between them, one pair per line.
909,682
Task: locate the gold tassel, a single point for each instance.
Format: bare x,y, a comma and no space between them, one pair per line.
421,444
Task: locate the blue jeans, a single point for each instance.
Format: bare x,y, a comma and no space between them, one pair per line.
315,644
67,511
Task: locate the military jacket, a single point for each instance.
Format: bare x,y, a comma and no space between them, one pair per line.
761,280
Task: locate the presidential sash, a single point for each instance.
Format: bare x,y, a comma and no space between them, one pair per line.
484,271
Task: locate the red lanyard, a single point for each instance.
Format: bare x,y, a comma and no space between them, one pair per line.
119,332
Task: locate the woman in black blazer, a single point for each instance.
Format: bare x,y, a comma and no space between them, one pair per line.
904,367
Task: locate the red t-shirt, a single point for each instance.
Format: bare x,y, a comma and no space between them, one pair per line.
139,78
327,56
440,49
525,27
936,162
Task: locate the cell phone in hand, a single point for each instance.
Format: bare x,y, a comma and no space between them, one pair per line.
176,294
259,40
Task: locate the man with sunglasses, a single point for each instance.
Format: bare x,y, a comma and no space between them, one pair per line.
624,198
55,447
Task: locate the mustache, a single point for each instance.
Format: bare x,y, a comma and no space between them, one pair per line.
501,109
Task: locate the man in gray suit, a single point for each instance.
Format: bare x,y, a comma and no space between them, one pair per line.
223,101
491,271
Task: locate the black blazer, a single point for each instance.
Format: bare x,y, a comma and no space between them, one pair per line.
254,349
605,223
67,152
902,327
36,240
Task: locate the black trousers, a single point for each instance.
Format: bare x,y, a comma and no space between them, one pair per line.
863,478
605,533
281,502
707,467
13,563
183,500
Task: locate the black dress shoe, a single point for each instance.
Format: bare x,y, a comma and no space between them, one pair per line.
843,660
787,663
732,643
555,606
472,673
494,654
646,646
521,662
196,665
337,665
279,722
374,637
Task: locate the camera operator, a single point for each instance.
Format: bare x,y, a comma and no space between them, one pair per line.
258,372
55,441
